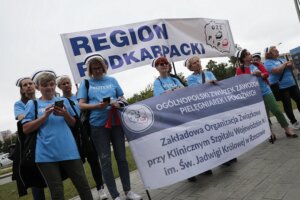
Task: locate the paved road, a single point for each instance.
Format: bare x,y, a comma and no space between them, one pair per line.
267,172
5,180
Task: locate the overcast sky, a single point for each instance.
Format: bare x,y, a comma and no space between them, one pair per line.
30,33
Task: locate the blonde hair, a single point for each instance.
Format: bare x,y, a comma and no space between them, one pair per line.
61,79
191,59
44,78
269,54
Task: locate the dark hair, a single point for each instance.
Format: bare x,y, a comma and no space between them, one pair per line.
243,55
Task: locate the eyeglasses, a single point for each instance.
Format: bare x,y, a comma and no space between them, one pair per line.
96,68
162,64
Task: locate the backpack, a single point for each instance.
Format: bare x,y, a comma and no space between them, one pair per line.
78,132
28,171
87,143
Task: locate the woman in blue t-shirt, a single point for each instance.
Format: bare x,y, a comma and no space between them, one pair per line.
55,145
257,69
288,87
64,83
198,76
27,91
103,97
164,83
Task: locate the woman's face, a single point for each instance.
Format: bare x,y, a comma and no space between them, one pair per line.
47,89
97,70
195,65
27,87
65,86
274,52
163,67
248,57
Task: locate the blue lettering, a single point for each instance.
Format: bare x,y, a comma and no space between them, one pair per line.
184,51
145,54
123,39
149,33
99,39
130,57
161,31
174,51
81,68
195,49
156,51
133,36
202,48
166,50
115,61
80,42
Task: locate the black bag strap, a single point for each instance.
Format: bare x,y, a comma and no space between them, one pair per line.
281,76
87,86
35,108
203,77
72,103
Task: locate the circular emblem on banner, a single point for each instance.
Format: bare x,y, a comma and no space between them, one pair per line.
137,118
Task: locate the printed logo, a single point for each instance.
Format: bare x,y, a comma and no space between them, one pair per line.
137,118
217,36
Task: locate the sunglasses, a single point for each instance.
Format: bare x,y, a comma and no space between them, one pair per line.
162,64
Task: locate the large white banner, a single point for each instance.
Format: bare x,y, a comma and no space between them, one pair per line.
133,45
181,134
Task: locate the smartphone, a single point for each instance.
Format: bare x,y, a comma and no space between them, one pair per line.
59,103
106,99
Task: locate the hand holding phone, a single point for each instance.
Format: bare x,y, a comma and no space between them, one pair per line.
59,103
106,100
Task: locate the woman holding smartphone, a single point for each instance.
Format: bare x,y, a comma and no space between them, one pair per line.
105,123
64,83
55,145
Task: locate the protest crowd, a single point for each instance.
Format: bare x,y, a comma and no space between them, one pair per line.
58,134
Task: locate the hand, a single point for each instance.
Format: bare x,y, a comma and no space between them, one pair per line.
102,105
214,82
289,64
257,73
48,111
115,104
59,111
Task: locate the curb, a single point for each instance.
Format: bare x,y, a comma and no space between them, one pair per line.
5,175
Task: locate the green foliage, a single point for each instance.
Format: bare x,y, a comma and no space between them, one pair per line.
144,94
222,70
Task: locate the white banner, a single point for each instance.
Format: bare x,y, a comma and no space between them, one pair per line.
181,134
133,45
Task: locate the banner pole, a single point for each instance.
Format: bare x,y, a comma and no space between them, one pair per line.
173,65
148,194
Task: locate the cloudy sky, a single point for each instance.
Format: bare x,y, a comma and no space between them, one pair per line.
30,33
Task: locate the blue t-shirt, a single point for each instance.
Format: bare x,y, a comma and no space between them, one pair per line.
55,141
166,83
287,79
98,90
196,79
265,88
19,108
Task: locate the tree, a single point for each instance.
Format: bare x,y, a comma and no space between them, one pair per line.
221,71
8,142
144,94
